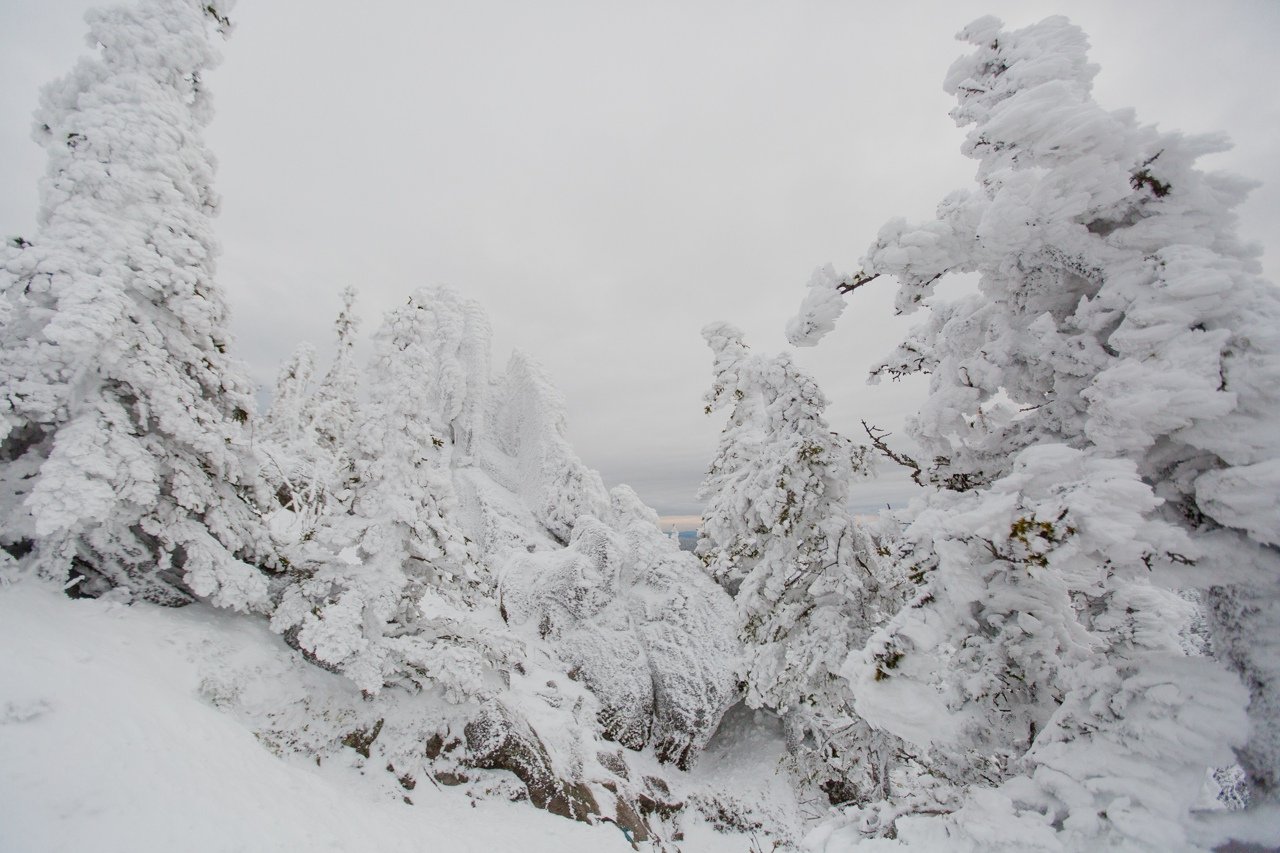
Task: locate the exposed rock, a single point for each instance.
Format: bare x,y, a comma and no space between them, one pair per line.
436,744
361,739
445,777
406,780
658,787
628,818
496,740
614,763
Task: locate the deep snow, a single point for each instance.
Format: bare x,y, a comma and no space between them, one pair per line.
110,740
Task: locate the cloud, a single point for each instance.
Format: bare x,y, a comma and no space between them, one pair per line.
606,178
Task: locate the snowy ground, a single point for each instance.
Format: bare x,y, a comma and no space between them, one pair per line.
110,740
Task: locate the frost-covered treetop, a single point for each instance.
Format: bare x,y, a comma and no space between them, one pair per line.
1117,305
131,108
1051,53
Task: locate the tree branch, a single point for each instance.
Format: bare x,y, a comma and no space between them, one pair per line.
878,437
858,280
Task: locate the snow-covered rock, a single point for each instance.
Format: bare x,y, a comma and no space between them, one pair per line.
638,622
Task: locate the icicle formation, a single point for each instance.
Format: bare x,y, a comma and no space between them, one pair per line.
808,583
1111,389
124,457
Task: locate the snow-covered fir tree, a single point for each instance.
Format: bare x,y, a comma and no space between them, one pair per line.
461,388
306,441
725,542
290,414
335,407
1099,430
807,580
388,593
285,436
125,457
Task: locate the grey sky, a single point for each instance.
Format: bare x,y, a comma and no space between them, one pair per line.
607,177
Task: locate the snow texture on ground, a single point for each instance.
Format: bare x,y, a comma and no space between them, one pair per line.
112,739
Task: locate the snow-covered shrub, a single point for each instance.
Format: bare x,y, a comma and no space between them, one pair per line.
125,457
634,618
1088,407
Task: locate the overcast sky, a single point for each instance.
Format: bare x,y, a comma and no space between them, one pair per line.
608,177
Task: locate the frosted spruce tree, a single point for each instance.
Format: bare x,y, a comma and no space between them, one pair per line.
284,436
290,415
458,388
124,456
387,594
335,408
726,543
807,580
1099,430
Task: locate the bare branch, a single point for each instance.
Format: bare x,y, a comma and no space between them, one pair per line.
857,281
878,437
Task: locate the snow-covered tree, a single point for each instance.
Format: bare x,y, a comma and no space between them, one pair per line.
1099,428
388,592
306,440
458,388
290,413
473,355
124,456
686,624
335,408
808,582
285,434
528,424
725,542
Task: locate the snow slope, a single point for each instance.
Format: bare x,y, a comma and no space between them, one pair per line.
115,736
110,743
